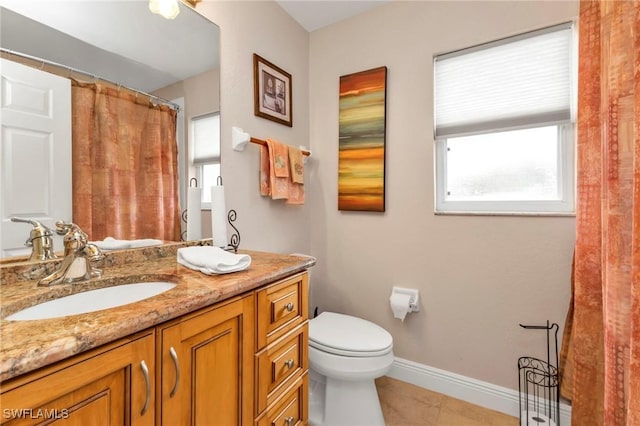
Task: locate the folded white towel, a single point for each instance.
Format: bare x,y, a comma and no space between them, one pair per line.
145,242
212,260
111,243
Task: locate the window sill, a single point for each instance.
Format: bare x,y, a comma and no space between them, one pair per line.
486,213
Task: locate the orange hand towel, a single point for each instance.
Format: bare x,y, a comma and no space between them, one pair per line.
278,187
296,165
296,193
277,160
265,172
280,155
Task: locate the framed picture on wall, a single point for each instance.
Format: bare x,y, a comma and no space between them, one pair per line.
272,92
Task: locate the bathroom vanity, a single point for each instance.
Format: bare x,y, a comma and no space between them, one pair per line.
214,350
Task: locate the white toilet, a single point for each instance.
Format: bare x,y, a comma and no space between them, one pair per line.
346,354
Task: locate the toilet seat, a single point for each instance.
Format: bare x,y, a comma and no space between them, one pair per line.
348,336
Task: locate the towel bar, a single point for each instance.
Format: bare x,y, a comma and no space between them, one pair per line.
239,139
263,142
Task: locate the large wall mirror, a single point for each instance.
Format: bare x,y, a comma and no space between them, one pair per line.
120,42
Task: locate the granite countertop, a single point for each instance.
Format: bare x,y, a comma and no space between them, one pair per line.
28,345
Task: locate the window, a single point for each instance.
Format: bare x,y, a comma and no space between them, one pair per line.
205,135
504,125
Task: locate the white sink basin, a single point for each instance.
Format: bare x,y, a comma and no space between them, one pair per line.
91,301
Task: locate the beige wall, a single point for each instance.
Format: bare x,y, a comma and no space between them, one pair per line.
261,27
201,93
478,276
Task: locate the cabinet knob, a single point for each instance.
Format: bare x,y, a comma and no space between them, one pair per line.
289,363
289,307
289,421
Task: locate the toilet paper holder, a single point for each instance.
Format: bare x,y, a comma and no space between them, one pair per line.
414,297
404,301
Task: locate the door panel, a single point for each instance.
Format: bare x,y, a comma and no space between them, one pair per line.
206,369
35,178
108,388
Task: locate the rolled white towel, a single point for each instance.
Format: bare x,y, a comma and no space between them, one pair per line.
111,243
212,260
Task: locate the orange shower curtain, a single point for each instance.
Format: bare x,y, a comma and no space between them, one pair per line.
602,345
125,172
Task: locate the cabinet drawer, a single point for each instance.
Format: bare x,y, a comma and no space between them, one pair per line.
281,307
279,364
291,409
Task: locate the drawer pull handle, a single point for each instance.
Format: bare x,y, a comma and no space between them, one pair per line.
174,357
289,363
289,421
147,382
289,307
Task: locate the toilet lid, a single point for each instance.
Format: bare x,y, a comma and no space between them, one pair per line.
350,336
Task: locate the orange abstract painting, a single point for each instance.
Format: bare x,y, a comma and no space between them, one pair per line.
361,157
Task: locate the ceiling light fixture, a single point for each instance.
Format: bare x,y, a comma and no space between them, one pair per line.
166,8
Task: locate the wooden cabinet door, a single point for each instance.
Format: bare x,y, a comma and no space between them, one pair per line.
109,386
206,369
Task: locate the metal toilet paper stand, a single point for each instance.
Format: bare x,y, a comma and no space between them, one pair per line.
539,396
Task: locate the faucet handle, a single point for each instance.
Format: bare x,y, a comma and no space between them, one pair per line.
39,230
33,222
71,231
93,252
63,227
74,237
38,227
39,239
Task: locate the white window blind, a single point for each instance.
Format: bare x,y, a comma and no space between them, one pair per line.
511,83
206,139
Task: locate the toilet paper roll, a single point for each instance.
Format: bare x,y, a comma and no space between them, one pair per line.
218,216
194,214
400,305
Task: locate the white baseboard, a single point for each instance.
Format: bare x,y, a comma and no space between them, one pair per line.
477,392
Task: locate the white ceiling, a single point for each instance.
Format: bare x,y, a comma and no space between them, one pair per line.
117,40
79,34
315,14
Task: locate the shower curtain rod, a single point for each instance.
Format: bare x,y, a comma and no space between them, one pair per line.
88,74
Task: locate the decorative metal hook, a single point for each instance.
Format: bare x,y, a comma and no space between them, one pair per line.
183,235
234,241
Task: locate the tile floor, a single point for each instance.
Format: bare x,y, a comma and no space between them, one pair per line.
404,404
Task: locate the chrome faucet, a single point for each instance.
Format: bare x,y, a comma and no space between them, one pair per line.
40,240
78,255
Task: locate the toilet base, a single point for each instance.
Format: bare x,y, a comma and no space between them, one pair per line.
334,402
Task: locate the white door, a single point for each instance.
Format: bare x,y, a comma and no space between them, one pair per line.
35,178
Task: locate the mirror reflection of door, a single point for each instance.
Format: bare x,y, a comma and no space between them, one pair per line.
36,136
